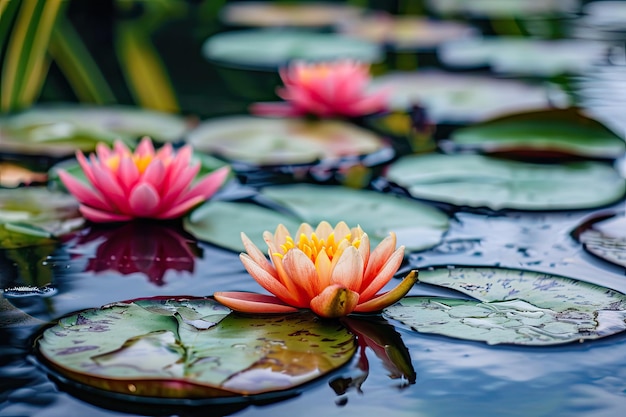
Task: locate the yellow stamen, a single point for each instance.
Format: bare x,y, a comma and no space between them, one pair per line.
312,245
142,162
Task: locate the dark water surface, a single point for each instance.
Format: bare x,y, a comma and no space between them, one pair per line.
453,378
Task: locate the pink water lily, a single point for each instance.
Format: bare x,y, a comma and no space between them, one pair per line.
142,184
328,270
326,89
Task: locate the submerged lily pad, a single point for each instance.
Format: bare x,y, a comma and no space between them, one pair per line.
57,131
416,225
513,307
34,215
552,132
482,181
192,348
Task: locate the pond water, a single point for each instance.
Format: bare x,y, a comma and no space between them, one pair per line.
97,266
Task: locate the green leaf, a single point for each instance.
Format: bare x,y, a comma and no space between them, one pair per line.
417,226
266,141
221,223
33,215
482,181
181,348
513,307
547,132
60,130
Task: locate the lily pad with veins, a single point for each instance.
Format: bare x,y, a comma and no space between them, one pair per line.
513,307
191,348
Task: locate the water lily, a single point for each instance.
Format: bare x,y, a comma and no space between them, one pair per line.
329,270
325,89
142,184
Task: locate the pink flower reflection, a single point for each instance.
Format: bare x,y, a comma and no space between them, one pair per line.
136,247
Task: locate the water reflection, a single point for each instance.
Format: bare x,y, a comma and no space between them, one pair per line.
138,247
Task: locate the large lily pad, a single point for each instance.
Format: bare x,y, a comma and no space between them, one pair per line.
57,131
267,141
551,132
416,225
482,181
34,215
513,307
191,348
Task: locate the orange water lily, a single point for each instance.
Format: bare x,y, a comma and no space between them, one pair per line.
142,184
325,89
329,270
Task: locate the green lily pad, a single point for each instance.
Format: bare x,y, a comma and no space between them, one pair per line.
417,226
57,131
35,215
551,132
513,307
482,181
191,348
221,222
269,142
269,49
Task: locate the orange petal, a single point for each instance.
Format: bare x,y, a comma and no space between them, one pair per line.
253,303
390,297
269,282
280,235
257,256
324,268
348,271
323,230
368,290
379,257
305,229
301,271
334,301
302,300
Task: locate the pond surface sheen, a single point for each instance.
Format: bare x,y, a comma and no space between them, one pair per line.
453,377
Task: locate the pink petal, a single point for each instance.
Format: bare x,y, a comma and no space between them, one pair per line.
379,257
144,200
209,185
154,174
278,109
127,174
85,165
388,298
178,182
384,275
83,193
348,272
334,301
110,188
270,282
178,210
145,147
257,256
253,303
100,216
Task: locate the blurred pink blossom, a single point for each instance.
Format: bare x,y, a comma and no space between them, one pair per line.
326,89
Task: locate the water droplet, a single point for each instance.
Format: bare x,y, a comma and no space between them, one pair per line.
29,291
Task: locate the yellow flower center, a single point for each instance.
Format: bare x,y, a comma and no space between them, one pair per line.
314,72
312,246
141,162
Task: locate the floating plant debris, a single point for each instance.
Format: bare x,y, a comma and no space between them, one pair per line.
513,307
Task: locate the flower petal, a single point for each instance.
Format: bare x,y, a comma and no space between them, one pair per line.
208,185
269,281
324,268
301,271
390,297
145,147
83,193
379,257
144,200
154,174
180,209
348,271
368,290
252,303
257,256
127,174
334,301
101,216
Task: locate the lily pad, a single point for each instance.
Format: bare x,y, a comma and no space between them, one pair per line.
191,348
483,181
221,222
513,307
57,131
554,132
604,235
269,142
268,49
35,215
417,226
